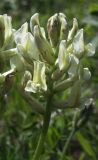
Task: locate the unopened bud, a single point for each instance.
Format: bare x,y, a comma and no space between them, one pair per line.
90,49
63,56
17,63
5,30
53,28
63,29
34,21
7,54
73,31
74,65
43,46
78,44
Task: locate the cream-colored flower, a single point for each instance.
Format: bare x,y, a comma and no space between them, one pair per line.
72,32
78,44
34,21
19,34
39,79
63,56
5,31
27,48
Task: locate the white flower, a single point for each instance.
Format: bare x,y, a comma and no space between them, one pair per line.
78,43
28,47
19,34
73,69
34,21
72,32
63,56
17,62
5,31
90,49
39,79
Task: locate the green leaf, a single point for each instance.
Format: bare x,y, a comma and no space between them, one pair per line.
86,145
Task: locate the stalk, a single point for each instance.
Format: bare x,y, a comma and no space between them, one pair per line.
67,144
42,138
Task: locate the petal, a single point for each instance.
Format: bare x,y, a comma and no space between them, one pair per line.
39,79
78,43
53,28
74,66
63,24
17,62
8,26
31,87
72,32
7,54
19,34
5,31
43,45
34,21
26,77
90,48
63,56
28,47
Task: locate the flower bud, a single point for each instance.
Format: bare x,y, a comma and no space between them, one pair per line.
39,80
34,21
57,74
53,28
74,64
7,54
56,27
63,56
17,63
73,31
63,29
28,48
43,46
5,31
78,44
65,84
90,49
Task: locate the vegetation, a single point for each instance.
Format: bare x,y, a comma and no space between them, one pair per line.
48,101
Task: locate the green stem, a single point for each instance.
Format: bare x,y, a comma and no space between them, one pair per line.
67,144
44,130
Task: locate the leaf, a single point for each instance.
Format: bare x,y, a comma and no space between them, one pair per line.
86,145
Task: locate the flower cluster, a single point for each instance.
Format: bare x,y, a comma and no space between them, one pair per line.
56,55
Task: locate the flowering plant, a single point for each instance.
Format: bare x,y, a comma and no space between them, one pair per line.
49,63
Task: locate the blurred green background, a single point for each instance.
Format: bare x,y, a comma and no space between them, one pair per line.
19,124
